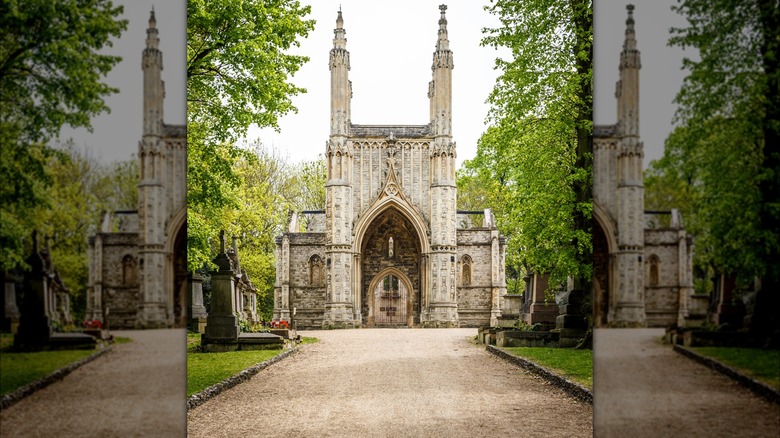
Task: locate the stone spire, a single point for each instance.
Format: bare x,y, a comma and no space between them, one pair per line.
630,55
443,43
153,86
340,87
440,88
152,39
627,92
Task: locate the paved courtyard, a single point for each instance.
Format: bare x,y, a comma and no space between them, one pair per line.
137,389
392,382
642,388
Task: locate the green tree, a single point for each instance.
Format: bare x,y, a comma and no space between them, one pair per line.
729,107
537,155
238,67
50,72
82,189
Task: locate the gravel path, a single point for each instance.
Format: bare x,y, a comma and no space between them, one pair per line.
137,389
385,382
642,388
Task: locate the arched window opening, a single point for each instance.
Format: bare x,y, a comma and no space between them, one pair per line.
465,277
315,271
653,277
128,271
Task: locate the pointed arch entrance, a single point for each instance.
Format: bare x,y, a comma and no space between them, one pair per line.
603,260
391,299
391,271
176,269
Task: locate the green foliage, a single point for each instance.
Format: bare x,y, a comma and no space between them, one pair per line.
50,72
760,364
266,189
206,369
237,63
237,75
534,162
573,364
82,189
720,167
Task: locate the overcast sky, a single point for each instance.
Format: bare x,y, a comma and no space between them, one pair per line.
391,46
660,77
116,135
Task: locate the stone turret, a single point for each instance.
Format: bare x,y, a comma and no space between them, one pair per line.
339,306
153,207
444,307
630,308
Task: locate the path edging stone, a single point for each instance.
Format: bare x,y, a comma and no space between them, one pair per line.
759,388
572,388
212,391
30,388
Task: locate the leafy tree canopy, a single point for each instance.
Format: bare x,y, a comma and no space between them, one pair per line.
238,70
51,67
536,157
238,65
725,157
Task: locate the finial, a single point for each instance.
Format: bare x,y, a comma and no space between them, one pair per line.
630,9
221,241
35,241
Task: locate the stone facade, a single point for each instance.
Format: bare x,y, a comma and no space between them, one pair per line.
137,268
642,271
387,250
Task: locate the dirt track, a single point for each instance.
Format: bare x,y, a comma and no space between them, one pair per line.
137,389
385,382
643,388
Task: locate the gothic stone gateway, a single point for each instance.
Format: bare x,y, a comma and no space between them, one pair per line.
137,266
387,250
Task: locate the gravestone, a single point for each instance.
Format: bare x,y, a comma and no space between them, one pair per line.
222,325
35,329
222,322
571,322
198,312
10,321
34,322
537,308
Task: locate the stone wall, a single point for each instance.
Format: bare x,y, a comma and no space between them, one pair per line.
121,295
662,289
307,299
474,298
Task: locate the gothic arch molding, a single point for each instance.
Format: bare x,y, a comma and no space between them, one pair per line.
383,205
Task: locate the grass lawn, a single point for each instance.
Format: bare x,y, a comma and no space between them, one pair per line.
762,365
206,369
19,369
576,365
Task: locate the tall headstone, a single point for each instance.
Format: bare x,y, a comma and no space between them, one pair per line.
222,322
10,321
34,323
198,314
